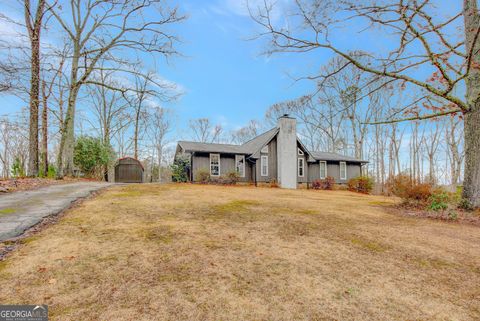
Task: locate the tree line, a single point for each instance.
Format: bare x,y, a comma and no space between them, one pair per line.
94,59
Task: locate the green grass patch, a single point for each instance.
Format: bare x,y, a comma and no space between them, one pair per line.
7,211
235,206
371,246
158,234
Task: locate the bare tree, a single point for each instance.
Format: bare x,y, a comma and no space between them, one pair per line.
453,137
159,126
423,40
204,131
33,22
98,30
109,108
244,134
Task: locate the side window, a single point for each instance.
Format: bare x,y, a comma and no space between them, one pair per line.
264,149
343,170
300,152
301,167
240,165
264,165
215,164
323,170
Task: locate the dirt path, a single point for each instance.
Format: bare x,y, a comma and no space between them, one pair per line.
22,210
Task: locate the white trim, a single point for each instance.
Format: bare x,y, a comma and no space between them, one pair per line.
320,169
344,164
218,155
301,160
300,152
264,149
264,160
237,159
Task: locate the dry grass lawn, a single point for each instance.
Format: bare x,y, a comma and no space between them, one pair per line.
190,252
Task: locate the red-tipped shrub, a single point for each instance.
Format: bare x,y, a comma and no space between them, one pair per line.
361,184
325,184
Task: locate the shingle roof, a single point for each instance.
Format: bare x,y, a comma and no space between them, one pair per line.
253,146
189,147
326,156
248,148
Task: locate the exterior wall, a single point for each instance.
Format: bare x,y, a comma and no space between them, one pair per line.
313,171
303,179
333,170
287,152
201,161
272,163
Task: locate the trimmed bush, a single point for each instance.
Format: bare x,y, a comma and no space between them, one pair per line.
202,176
361,184
439,200
231,178
325,184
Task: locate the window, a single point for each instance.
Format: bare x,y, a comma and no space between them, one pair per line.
264,165
300,152
240,165
301,167
215,164
323,170
343,170
264,150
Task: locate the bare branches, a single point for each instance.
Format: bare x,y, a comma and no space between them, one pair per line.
421,40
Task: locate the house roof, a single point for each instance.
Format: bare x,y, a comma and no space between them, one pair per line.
253,147
248,148
190,147
326,156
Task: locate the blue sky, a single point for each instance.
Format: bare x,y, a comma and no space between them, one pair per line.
223,75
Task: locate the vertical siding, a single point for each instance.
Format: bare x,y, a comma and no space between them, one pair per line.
201,161
313,171
272,163
305,169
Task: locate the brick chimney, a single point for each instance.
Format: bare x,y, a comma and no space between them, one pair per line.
287,152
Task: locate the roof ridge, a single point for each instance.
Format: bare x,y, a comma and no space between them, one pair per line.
248,141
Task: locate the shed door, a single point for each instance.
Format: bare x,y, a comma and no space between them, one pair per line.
128,173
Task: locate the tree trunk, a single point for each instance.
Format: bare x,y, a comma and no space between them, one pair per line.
34,36
44,153
471,184
67,140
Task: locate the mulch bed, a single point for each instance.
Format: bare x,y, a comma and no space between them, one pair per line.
463,217
24,184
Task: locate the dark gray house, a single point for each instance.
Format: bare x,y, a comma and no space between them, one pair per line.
276,155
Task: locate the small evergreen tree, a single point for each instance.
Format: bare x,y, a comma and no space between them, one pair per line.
180,169
91,155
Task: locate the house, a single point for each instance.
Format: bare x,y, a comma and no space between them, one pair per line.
277,155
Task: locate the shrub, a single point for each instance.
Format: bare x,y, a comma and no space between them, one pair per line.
232,178
52,172
202,176
438,201
419,192
91,155
325,184
465,204
18,168
361,184
410,191
180,169
399,185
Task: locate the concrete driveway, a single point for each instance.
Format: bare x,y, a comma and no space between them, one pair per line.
22,210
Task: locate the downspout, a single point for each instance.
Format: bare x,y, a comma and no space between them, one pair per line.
191,167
